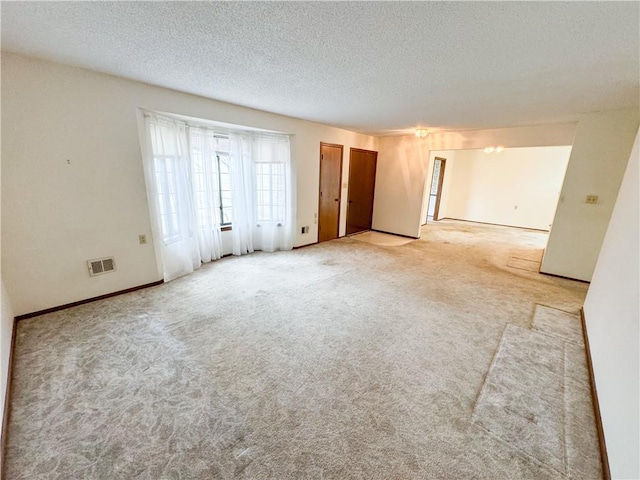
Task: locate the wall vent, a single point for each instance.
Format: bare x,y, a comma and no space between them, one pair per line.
99,266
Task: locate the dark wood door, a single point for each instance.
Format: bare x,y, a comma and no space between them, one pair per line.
362,182
330,181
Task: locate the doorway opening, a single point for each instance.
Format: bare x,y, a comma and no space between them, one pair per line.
435,192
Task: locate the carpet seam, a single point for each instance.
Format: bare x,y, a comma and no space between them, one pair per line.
329,278
525,259
577,315
557,337
491,365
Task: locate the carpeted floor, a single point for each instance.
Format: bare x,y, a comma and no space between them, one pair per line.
345,360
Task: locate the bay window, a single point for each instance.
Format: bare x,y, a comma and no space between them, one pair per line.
202,180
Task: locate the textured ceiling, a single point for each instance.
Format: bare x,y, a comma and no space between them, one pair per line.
373,67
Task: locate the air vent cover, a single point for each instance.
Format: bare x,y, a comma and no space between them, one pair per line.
99,266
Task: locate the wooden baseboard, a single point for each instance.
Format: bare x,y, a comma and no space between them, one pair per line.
88,300
396,234
487,223
7,403
606,472
562,276
306,245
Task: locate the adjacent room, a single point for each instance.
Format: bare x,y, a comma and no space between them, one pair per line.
320,240
516,187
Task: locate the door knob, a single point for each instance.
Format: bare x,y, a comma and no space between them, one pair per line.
336,200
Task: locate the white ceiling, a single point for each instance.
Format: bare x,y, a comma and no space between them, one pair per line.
374,67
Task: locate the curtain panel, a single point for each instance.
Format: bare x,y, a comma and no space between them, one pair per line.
169,193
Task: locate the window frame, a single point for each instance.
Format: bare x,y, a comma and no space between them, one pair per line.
223,224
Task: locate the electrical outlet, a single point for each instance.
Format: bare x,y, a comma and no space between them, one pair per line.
305,229
142,239
592,199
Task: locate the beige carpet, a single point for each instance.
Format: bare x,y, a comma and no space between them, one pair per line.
344,360
381,239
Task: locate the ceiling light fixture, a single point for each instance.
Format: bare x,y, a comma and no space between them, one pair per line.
421,132
494,149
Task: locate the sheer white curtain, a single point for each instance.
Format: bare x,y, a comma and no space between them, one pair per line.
275,222
242,188
206,192
168,180
183,191
263,201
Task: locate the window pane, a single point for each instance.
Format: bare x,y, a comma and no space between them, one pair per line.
210,174
226,215
436,177
270,188
224,182
166,192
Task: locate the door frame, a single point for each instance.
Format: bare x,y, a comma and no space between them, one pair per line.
373,193
341,147
443,164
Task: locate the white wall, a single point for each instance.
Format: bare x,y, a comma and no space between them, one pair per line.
611,314
6,332
600,153
402,168
560,134
72,180
517,187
